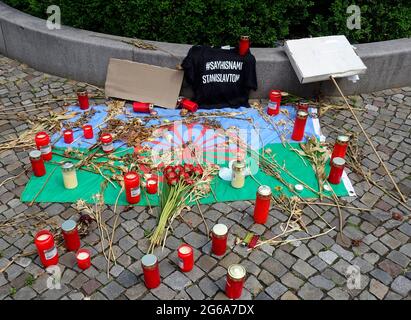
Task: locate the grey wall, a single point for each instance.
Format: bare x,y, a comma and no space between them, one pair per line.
83,55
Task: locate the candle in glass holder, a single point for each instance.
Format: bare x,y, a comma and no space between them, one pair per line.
186,258
262,204
69,175
82,96
337,168
235,281
274,103
244,45
151,271
132,187
340,147
107,142
299,125
46,248
83,259
152,185
303,105
37,163
68,136
219,235
88,131
70,235
42,141
188,105
238,177
142,107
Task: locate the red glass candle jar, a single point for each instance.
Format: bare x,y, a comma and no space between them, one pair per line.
132,186
186,258
151,271
88,131
274,103
107,143
188,104
299,125
46,248
70,235
337,168
83,259
219,235
143,107
152,185
262,204
235,281
340,147
303,105
68,136
82,96
42,141
244,45
37,163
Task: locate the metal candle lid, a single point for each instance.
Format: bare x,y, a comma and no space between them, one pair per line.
185,249
245,37
299,187
68,225
149,260
35,154
67,166
338,162
343,139
131,176
238,164
302,114
264,190
236,271
81,92
220,229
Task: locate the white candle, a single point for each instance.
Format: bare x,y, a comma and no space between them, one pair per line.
82,255
43,237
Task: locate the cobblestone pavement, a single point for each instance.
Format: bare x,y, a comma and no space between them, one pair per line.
315,269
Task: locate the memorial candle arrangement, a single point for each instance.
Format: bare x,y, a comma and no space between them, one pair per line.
70,235
107,143
142,107
299,125
152,185
235,281
83,258
219,236
337,168
42,141
340,147
274,103
68,136
238,177
88,131
244,45
69,175
151,271
82,97
37,163
186,258
132,187
262,204
46,248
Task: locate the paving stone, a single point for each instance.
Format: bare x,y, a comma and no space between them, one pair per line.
276,290
382,276
136,292
345,254
406,249
399,258
289,296
127,279
208,287
253,285
390,267
309,292
266,277
196,240
321,282
263,296
195,293
25,293
378,289
229,259
338,294
113,290
328,256
291,281
206,263
302,252
274,267
401,285
304,268
91,286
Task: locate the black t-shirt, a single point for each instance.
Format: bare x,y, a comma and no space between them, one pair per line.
220,77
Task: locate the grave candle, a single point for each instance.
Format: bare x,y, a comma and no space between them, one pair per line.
42,141
262,204
244,45
88,131
186,258
143,107
340,147
303,105
151,271
69,175
152,186
132,186
107,143
299,125
188,105
68,136
70,235
37,163
83,259
46,248
337,168
219,235
235,281
82,96
274,103
238,178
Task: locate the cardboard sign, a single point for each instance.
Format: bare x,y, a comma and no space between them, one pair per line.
142,82
316,59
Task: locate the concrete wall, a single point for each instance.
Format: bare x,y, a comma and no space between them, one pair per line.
83,55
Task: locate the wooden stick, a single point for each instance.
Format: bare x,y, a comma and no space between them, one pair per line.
368,139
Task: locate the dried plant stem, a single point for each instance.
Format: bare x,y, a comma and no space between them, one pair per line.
11,178
111,254
42,187
334,205
204,220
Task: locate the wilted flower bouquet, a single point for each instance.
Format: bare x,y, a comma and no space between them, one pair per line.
183,185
